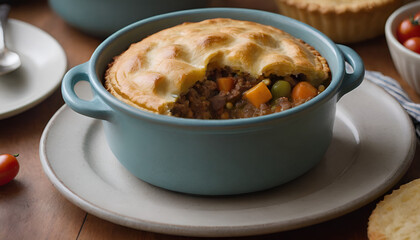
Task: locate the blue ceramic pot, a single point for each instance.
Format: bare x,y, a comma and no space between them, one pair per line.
103,17
215,157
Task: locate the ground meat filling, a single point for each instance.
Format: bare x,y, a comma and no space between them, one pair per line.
205,101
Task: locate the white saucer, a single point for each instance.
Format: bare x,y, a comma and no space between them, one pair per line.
372,148
44,63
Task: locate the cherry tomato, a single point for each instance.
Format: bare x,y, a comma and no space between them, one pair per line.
408,28
417,16
9,168
413,44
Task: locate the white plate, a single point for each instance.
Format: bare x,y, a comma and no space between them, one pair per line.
44,63
372,148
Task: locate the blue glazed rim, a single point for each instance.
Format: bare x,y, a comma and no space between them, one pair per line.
186,15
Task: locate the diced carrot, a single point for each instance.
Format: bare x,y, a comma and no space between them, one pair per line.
258,94
225,83
303,91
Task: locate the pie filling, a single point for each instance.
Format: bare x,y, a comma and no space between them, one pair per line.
229,94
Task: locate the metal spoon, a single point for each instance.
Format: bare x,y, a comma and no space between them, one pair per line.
9,61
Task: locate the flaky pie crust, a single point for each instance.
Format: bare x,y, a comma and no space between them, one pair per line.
344,21
152,73
337,6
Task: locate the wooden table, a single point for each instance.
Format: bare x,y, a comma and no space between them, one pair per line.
31,208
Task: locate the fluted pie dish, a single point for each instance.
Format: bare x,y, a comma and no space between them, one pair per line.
212,156
344,21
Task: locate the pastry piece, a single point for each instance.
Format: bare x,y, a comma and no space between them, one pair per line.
397,216
203,69
344,21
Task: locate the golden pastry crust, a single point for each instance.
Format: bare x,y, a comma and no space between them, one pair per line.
344,21
338,6
152,73
397,216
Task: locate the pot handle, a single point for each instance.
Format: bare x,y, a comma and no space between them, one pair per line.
354,79
95,107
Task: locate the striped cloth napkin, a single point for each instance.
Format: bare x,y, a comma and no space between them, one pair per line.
393,87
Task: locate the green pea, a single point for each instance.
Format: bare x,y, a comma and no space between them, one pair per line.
281,88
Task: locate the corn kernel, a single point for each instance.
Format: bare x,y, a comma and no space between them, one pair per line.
266,81
321,88
225,115
229,105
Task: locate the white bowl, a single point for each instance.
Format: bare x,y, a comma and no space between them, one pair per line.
406,61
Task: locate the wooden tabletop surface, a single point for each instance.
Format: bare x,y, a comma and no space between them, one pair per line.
30,206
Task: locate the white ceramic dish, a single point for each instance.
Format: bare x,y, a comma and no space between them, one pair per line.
406,61
44,63
372,148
